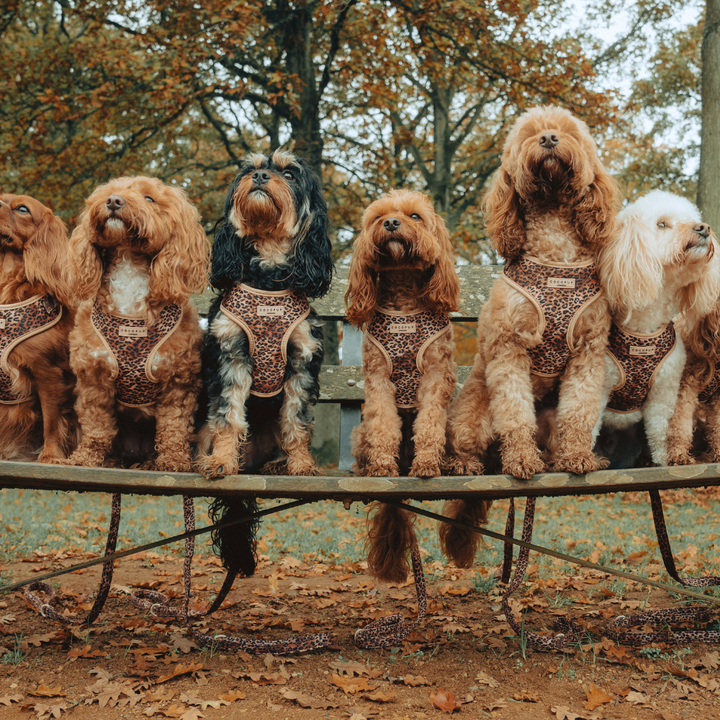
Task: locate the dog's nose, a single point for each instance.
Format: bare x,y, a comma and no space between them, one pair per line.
391,224
260,177
115,202
702,229
549,140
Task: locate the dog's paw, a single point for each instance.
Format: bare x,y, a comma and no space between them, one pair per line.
84,458
681,458
175,464
425,467
302,467
580,463
215,466
523,466
382,468
462,466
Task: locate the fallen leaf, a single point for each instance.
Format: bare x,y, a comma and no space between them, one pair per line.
349,668
183,644
382,696
526,697
444,701
42,712
498,704
484,679
636,698
306,701
416,680
179,670
85,652
7,699
596,697
564,713
260,678
350,685
233,695
45,691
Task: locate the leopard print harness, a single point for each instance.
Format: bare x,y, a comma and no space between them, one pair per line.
403,338
639,358
712,385
133,345
18,322
560,293
268,317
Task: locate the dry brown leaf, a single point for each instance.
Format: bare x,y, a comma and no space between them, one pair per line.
8,699
306,701
43,712
350,685
415,680
444,701
45,691
381,696
86,652
179,670
453,590
261,678
233,695
668,715
596,697
564,713
485,679
349,668
192,714
498,704
183,644
525,696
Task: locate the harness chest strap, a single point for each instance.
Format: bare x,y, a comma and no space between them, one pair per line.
713,383
639,357
403,338
132,346
560,293
18,322
268,317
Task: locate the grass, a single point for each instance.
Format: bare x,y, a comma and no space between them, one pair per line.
615,526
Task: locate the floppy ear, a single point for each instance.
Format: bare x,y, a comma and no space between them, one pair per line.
503,216
46,258
361,295
312,251
596,211
181,267
86,268
443,289
629,270
700,297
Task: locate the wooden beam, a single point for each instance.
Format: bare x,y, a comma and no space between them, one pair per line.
342,486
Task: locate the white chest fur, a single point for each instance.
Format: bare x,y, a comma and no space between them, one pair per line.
128,288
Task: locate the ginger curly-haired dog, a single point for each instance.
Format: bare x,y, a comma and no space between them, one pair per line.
138,253
36,383
401,288
663,261
264,348
550,209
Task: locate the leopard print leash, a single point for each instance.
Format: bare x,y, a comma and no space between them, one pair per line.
158,605
391,630
571,632
47,609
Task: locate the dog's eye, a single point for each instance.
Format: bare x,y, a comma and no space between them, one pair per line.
288,175
662,224
149,199
23,209
415,216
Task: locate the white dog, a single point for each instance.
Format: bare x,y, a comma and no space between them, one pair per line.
663,261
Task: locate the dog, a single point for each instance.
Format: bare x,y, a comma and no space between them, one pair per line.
551,207
137,254
36,316
264,348
663,261
401,288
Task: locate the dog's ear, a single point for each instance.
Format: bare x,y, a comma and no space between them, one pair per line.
227,259
594,215
629,267
181,266
86,268
45,256
361,295
312,251
503,216
443,289
700,297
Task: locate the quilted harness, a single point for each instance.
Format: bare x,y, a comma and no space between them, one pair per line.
268,317
403,338
638,357
133,345
18,322
560,292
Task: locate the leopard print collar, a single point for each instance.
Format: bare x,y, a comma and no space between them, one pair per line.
268,317
638,357
18,322
133,345
403,338
560,292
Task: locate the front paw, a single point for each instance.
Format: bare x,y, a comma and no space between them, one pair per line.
425,466
175,464
381,468
215,466
523,465
84,458
579,464
455,465
681,458
302,467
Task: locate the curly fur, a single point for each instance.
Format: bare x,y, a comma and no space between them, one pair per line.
554,201
662,261
138,246
34,261
274,236
408,268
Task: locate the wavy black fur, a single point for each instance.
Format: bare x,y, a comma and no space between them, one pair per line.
235,545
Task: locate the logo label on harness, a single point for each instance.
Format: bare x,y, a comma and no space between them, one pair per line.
129,331
270,310
2,323
406,328
638,350
565,283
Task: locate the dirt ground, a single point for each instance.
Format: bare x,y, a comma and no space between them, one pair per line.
130,666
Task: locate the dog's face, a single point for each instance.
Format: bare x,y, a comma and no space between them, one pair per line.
401,231
20,218
662,248
147,218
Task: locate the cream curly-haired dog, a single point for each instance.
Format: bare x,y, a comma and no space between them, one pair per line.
663,261
137,255
550,209
401,288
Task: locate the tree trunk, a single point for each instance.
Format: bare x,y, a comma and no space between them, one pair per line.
708,195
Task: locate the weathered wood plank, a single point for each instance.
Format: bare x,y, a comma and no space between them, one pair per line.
342,486
346,382
475,284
